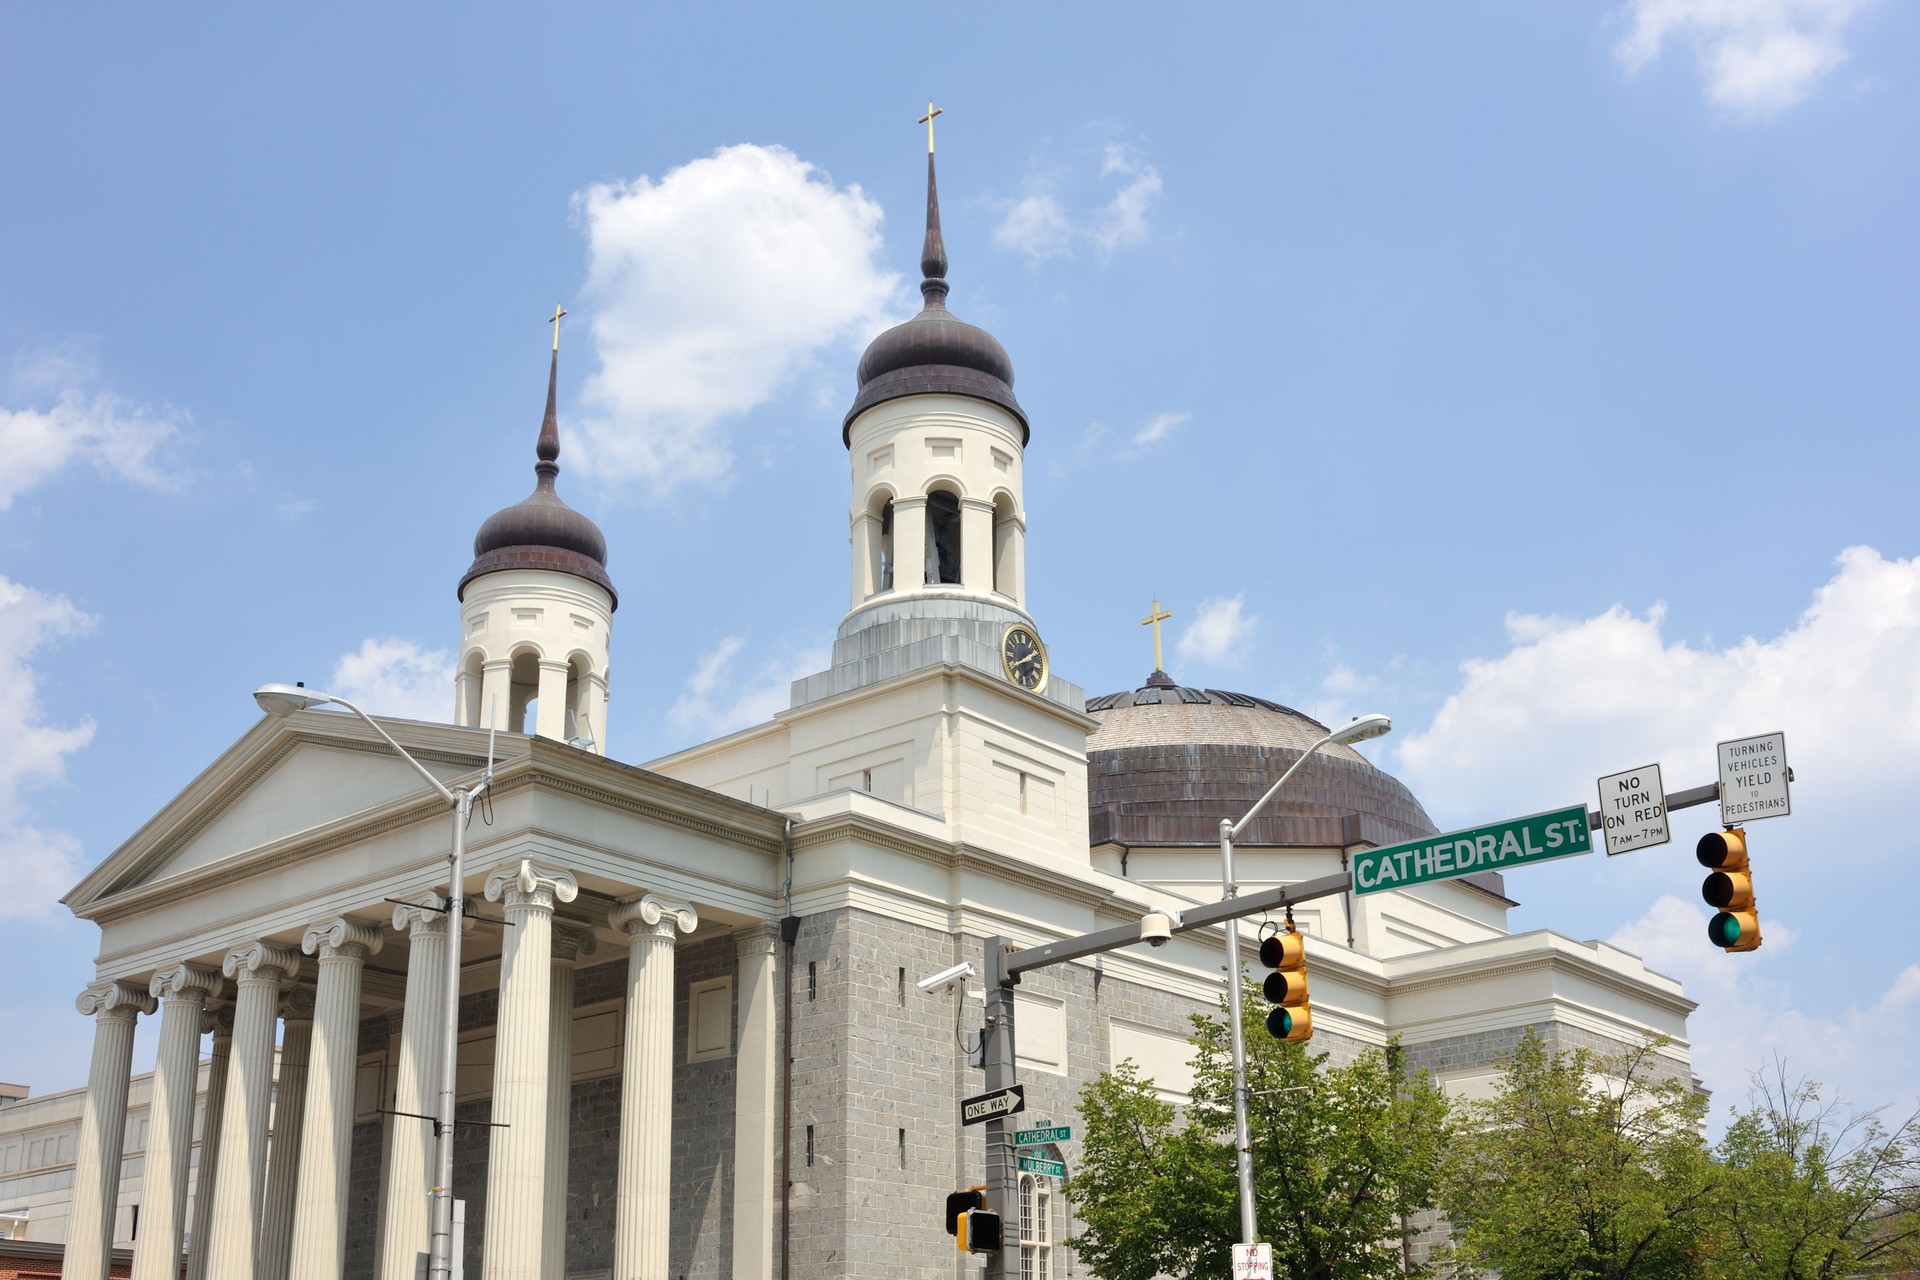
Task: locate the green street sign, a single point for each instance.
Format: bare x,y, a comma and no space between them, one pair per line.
1501,846
1051,1168
1040,1137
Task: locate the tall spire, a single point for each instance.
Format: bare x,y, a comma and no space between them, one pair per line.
548,447
933,255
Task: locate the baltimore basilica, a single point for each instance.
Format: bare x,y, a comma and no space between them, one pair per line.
691,1038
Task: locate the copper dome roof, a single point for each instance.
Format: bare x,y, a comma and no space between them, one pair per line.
936,351
540,531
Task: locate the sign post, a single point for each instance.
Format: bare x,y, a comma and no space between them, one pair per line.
1634,807
1753,779
1501,846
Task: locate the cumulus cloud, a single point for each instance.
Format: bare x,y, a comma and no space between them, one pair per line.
713,290
1758,57
42,863
717,699
387,676
1842,683
1868,1050
1220,633
1040,226
126,441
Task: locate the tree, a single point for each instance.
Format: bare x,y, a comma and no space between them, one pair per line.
1809,1192
1583,1165
1341,1156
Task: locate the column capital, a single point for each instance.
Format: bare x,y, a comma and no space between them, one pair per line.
977,504
758,940
653,914
217,1019
341,938
523,883
114,999
424,915
913,502
186,982
261,962
296,1005
570,943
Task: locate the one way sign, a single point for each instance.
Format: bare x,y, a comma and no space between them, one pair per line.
1001,1102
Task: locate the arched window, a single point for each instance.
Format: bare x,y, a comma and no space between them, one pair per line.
943,537
1036,1228
883,573
523,691
579,727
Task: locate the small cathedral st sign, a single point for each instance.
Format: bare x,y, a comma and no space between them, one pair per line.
1502,846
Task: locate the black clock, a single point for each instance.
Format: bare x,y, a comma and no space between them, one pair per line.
1023,657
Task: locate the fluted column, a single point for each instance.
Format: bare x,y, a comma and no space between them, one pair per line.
753,1204
517,1156
113,1006
274,1255
220,1023
257,970
340,947
568,946
642,1197
404,1224
183,991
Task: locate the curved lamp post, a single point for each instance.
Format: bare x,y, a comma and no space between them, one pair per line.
1361,729
281,700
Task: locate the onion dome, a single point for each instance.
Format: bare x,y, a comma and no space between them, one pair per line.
540,531
1169,762
936,352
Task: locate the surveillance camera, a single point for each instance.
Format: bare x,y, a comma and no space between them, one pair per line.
947,978
1157,926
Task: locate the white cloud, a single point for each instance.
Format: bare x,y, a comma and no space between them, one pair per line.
1748,1012
713,289
387,676
1039,225
1219,634
1843,684
119,439
1162,426
41,864
717,700
1758,57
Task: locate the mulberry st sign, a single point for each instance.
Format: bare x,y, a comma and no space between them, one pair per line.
1501,846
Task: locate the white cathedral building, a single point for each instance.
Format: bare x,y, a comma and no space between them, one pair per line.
690,1039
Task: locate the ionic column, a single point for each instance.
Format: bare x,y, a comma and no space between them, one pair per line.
753,1204
405,1223
103,1127
220,1023
257,970
568,946
183,991
642,1197
275,1252
341,948
517,1155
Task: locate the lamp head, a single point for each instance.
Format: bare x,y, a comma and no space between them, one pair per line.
1363,728
285,699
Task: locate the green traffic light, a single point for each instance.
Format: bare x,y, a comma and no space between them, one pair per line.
1279,1024
1724,930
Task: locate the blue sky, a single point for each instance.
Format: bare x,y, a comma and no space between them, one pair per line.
1541,375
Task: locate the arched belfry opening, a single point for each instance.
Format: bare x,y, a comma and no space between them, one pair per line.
943,538
523,690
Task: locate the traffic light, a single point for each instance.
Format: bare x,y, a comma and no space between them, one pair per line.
1729,890
1285,953
973,1228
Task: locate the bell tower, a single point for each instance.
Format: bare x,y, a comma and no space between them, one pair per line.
536,610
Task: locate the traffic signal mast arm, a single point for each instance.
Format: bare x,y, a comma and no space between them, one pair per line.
1675,800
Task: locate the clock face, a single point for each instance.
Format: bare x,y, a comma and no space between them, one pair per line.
1024,658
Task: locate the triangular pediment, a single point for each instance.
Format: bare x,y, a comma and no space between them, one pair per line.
285,778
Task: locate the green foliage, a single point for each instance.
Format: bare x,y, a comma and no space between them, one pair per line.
1583,1165
1808,1192
1340,1155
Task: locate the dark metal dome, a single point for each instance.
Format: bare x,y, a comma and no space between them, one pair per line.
1168,762
936,351
540,531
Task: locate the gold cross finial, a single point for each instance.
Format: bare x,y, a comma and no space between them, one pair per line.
1154,620
558,311
927,120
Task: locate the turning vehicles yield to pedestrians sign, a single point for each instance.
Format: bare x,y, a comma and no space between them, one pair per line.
1753,779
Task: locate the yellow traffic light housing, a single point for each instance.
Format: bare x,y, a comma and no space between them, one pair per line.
1729,890
1285,952
959,1205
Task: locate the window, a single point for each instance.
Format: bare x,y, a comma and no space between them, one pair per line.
710,1020
943,537
1036,1228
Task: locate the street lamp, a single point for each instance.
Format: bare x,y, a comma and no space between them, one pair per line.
281,700
1359,730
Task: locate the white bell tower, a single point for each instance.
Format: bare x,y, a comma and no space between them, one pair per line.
536,611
